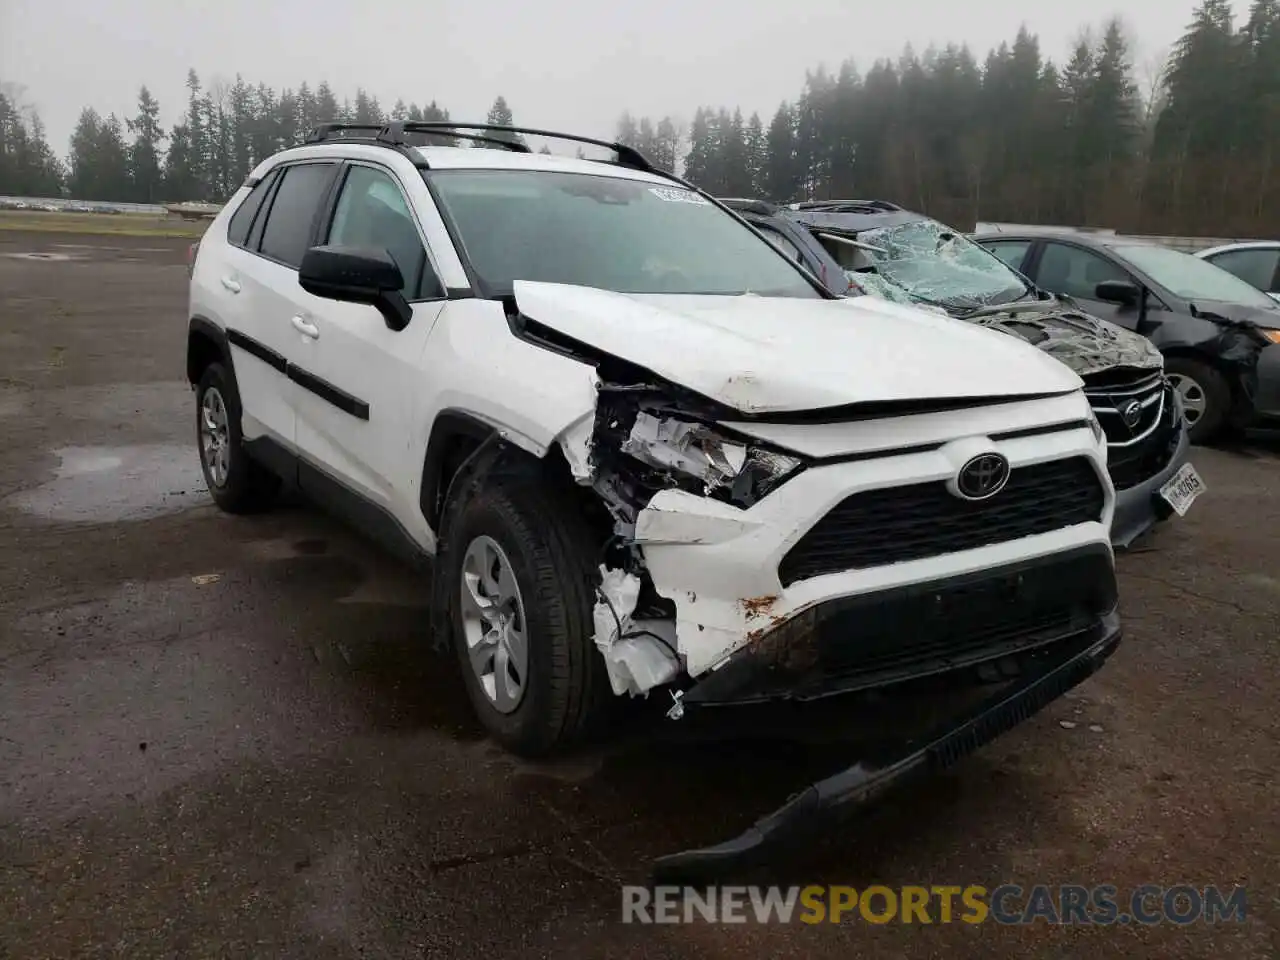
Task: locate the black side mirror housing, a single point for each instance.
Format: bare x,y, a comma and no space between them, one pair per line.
1122,292
357,275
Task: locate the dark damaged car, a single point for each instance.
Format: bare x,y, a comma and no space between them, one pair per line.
1219,335
908,258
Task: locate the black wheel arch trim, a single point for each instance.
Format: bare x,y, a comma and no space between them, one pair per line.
202,328
450,426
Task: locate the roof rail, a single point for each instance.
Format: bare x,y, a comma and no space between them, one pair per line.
393,134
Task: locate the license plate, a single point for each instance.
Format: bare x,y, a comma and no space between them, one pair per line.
1182,489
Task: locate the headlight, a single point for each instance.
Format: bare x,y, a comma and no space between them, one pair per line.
739,472
1272,335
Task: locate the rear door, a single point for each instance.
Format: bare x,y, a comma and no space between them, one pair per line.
267,336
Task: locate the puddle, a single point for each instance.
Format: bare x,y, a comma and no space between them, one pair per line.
106,484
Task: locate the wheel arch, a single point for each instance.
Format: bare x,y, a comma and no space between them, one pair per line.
206,344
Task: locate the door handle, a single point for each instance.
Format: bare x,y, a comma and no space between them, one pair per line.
232,285
306,329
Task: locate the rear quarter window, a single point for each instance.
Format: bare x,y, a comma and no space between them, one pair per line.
242,219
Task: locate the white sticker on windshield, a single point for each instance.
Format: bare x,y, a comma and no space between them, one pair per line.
675,195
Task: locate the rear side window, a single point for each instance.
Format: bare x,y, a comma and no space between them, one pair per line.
242,219
1012,252
293,212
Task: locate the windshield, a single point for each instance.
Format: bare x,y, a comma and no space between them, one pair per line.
628,236
935,264
1192,278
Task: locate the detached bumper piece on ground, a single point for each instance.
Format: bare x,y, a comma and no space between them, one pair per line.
887,642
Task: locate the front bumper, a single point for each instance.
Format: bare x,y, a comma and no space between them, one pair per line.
1266,401
720,565
821,804
1140,507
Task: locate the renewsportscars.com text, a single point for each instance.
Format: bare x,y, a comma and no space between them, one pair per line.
1008,904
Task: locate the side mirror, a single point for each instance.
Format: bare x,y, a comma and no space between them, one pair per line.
1122,292
357,275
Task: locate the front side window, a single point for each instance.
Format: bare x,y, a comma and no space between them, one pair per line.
1075,271
372,212
628,236
1255,266
293,212
1192,278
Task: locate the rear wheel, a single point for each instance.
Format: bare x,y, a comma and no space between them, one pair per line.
1205,394
237,483
521,588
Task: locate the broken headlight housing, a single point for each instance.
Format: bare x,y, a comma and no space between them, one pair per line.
740,472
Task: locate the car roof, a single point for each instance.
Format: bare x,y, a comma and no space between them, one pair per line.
1240,245
851,216
1105,240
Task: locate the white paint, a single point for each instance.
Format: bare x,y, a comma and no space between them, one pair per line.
761,354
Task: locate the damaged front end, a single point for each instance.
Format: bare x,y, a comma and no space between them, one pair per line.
652,446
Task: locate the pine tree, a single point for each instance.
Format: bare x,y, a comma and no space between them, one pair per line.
144,152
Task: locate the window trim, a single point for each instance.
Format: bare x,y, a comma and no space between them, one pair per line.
330,210
325,195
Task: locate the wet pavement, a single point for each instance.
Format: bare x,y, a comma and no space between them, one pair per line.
229,736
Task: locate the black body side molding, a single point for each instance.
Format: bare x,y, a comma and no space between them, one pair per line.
346,402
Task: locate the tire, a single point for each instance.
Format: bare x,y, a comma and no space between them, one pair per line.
520,521
1203,385
237,483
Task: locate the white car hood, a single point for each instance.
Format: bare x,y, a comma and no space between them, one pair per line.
773,355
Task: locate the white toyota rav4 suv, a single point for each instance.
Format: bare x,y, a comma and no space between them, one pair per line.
640,448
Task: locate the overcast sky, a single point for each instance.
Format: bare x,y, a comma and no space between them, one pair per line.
567,64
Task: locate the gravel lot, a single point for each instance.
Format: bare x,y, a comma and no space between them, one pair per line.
227,737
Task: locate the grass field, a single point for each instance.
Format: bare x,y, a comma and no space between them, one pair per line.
102,224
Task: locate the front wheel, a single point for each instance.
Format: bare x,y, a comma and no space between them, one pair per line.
1206,397
521,592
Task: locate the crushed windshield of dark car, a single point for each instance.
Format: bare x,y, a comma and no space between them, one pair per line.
612,233
934,264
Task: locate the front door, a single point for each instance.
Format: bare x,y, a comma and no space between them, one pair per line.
1067,269
360,379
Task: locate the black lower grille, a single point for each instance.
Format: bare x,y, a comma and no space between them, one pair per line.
897,524
1140,461
990,613
1003,614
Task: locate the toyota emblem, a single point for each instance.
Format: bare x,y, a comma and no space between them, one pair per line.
1131,413
982,477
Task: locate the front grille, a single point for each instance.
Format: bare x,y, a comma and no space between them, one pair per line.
896,524
906,632
1133,463
1110,402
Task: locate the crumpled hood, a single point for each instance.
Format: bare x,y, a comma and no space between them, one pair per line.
766,354
1085,343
